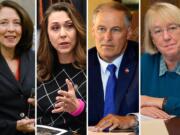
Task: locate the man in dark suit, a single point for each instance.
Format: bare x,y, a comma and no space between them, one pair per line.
111,30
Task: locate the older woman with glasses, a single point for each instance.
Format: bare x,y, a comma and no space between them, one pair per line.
160,65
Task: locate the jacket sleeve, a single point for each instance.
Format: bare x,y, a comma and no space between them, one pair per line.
7,127
172,106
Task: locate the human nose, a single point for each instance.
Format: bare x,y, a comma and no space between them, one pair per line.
62,32
11,27
108,36
166,35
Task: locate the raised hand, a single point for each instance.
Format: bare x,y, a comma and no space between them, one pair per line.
66,100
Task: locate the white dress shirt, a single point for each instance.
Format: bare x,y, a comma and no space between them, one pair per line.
105,73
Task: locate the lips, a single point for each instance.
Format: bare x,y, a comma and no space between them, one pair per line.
64,43
169,45
10,37
107,45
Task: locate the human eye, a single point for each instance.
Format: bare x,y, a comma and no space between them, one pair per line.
3,22
55,27
18,23
69,26
116,30
173,28
157,31
101,29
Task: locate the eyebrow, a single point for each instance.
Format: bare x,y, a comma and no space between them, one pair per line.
5,19
57,22
116,27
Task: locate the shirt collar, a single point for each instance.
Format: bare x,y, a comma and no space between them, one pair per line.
104,64
163,68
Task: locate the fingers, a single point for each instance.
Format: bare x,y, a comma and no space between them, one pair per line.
58,110
154,112
26,121
60,107
103,124
70,86
66,100
115,125
109,122
151,101
31,101
25,125
64,93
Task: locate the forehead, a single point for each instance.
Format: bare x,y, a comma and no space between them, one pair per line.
58,16
110,17
7,12
162,19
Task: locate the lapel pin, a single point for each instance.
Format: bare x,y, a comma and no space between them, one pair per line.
126,70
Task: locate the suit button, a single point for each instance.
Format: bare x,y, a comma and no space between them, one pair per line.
22,115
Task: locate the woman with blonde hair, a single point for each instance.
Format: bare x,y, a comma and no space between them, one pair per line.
61,92
160,65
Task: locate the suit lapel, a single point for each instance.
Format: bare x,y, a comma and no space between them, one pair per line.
98,87
125,75
23,67
6,73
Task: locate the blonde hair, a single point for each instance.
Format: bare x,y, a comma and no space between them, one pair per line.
161,10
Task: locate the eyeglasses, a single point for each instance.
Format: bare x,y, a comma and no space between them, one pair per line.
171,29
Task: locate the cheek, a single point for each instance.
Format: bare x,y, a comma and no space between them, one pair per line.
74,35
51,36
157,42
19,31
120,39
97,37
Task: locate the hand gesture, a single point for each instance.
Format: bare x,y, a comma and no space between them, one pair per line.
66,100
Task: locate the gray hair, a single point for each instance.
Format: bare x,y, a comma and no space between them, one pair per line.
116,6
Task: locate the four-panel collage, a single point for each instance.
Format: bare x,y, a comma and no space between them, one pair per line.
89,67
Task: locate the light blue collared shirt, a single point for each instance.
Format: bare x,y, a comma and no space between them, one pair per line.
105,73
163,68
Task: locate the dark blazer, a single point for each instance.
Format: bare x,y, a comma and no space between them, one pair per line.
127,93
14,94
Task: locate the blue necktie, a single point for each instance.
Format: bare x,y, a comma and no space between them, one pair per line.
109,105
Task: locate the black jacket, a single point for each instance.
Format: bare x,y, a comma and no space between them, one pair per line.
14,94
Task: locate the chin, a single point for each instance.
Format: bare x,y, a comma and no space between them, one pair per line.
10,46
173,54
64,51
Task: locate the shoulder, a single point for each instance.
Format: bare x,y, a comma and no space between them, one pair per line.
132,51
149,63
148,58
133,45
29,54
92,55
28,57
92,51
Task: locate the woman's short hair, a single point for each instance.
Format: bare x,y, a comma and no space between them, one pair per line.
47,55
164,12
26,40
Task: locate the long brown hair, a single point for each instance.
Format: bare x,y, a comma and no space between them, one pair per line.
47,55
